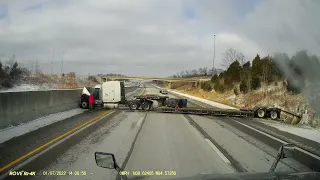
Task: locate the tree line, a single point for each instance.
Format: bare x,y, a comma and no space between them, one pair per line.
246,76
201,72
10,73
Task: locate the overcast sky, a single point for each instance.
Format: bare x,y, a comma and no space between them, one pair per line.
152,37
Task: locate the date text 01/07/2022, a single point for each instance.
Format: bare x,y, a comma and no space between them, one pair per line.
148,173
64,173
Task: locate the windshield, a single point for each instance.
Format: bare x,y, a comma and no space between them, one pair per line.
181,88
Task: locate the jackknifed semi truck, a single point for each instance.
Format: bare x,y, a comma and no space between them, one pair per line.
111,95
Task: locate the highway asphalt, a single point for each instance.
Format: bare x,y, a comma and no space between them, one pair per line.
148,143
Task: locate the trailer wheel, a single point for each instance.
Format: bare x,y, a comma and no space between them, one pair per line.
84,105
274,115
261,113
133,106
146,106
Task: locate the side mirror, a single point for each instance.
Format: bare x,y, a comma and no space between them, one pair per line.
105,160
285,151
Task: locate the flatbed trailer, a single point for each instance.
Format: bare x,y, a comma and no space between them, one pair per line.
201,111
207,111
145,102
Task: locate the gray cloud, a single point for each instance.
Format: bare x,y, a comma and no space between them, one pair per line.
152,37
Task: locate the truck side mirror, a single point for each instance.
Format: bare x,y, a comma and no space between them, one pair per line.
288,151
285,151
105,160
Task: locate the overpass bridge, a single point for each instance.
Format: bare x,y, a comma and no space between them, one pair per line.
169,80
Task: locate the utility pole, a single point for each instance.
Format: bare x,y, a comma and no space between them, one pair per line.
34,67
52,61
62,63
214,53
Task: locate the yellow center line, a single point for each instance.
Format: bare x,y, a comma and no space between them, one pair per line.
52,141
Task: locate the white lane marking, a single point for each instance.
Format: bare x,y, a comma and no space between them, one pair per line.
224,158
20,165
281,141
140,121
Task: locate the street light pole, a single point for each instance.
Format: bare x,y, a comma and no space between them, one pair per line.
52,61
214,53
62,63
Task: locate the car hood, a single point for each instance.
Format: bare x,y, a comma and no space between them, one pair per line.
85,91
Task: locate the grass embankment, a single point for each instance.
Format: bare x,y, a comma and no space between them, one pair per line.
187,88
275,94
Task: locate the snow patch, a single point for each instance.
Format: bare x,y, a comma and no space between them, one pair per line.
28,87
306,132
131,83
23,128
232,97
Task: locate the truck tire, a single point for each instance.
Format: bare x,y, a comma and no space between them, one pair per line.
146,106
274,115
261,113
84,105
133,106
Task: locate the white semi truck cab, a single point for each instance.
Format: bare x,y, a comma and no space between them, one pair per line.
112,93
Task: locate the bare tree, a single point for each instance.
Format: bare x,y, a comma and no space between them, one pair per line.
72,75
266,69
205,70
241,58
182,74
229,57
202,71
11,61
188,73
37,69
209,71
232,55
199,71
194,72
